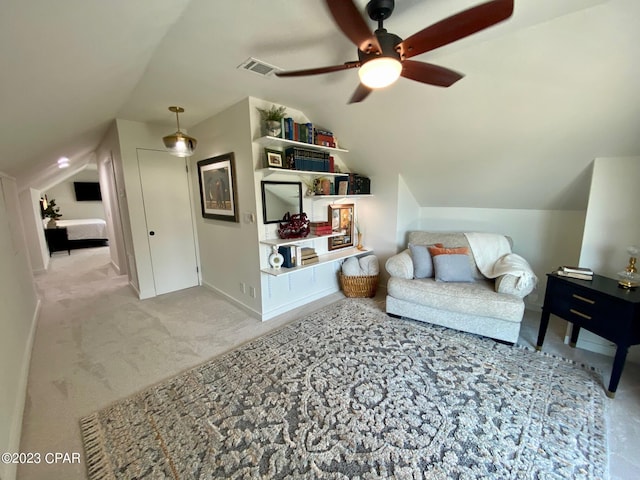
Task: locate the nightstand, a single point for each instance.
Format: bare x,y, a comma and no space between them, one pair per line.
57,239
599,306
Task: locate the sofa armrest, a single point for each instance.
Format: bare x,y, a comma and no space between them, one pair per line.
513,285
400,265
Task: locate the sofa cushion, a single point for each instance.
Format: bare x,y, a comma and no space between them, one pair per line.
477,298
441,250
452,268
422,263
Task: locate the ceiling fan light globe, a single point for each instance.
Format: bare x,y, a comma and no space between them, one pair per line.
180,144
380,72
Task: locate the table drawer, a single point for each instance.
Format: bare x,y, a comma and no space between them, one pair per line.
574,303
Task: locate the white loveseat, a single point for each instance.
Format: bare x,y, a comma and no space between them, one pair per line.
490,303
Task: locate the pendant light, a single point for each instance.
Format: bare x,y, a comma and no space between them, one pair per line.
179,144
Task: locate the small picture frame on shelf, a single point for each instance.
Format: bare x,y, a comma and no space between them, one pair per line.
341,217
274,158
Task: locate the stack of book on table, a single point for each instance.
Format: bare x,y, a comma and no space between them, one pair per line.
320,228
581,273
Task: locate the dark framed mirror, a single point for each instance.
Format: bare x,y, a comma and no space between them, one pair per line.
280,198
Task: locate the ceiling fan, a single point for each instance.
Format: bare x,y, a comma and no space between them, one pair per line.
384,56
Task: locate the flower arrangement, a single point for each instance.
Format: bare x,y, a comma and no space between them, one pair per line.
52,210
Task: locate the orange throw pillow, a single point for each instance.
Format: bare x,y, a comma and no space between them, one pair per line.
448,251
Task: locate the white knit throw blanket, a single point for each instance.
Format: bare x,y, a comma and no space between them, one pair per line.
494,258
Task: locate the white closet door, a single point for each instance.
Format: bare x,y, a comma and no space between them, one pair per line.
167,206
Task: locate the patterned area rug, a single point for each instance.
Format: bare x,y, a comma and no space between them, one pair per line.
348,392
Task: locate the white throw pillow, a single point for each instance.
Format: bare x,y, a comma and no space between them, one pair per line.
369,265
351,267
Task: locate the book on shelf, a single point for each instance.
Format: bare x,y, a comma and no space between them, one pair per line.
310,260
303,253
288,253
320,228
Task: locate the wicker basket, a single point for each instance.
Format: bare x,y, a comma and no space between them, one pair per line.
359,286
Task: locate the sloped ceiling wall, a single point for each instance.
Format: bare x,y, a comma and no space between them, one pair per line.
545,92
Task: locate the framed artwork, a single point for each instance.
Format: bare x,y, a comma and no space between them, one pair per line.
274,158
341,217
217,180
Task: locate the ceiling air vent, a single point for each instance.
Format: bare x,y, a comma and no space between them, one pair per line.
258,66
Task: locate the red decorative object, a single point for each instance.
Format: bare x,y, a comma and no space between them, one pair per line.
295,226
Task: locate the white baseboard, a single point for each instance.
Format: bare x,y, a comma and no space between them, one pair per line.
116,268
298,303
242,306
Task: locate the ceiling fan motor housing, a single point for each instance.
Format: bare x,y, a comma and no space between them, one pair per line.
380,9
388,42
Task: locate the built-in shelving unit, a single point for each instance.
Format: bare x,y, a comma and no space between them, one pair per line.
324,258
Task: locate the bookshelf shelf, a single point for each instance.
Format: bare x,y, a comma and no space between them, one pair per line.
287,171
280,142
324,258
322,197
278,242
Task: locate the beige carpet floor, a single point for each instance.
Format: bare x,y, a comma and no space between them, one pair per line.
97,343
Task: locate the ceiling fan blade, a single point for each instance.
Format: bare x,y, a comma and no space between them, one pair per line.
350,21
360,94
428,73
318,71
456,27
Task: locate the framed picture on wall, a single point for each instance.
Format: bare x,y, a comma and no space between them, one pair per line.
217,180
342,223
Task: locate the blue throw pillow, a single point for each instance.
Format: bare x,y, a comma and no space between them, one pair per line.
452,268
422,264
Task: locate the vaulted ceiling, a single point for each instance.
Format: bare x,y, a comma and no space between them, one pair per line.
545,92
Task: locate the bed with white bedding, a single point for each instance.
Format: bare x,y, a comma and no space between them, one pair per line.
85,228
82,233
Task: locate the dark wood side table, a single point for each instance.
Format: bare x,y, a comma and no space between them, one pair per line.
57,239
599,306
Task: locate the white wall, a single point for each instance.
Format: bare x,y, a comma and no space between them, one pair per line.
611,226
228,250
65,197
18,312
34,230
113,199
612,215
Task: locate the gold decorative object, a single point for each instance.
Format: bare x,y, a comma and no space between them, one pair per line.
629,277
